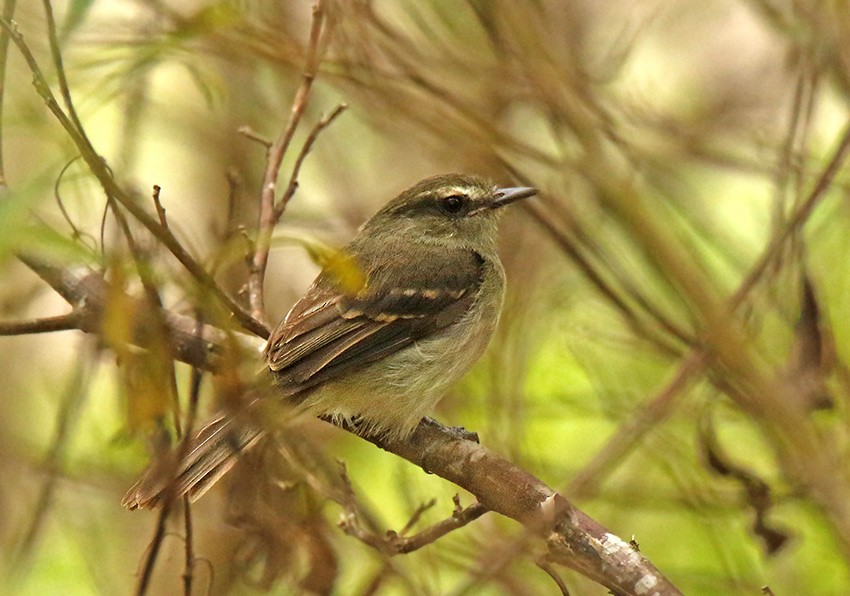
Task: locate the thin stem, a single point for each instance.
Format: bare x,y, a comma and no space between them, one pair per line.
153,551
46,325
188,546
60,70
322,124
268,217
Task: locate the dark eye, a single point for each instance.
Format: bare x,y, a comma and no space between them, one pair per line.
453,204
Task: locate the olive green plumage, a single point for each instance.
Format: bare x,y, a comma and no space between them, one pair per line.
384,350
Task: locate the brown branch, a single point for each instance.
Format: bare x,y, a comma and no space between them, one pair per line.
459,518
573,539
395,543
169,494
56,54
268,217
153,550
87,291
154,306
66,322
252,134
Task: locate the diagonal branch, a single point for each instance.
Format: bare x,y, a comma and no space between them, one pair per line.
87,292
572,538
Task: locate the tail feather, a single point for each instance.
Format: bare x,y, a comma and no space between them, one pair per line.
212,453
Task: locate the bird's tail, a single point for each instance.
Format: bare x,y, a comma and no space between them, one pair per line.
211,454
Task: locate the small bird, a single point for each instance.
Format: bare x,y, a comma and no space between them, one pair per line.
384,350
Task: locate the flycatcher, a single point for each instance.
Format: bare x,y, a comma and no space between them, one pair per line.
382,352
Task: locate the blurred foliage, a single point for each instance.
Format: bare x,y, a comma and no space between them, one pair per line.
671,142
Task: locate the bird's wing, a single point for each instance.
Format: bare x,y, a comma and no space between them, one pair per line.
330,332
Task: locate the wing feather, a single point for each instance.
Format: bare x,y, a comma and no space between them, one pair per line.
329,332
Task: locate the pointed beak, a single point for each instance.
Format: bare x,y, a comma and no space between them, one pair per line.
506,196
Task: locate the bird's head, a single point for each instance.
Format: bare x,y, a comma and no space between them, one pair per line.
457,209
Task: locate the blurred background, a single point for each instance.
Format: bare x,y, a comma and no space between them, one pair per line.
673,353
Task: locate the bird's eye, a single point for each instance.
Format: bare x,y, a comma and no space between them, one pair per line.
453,203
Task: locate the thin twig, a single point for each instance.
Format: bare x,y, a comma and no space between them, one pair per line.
168,497
277,151
795,222
544,564
65,322
322,124
250,133
104,176
188,547
394,543
189,554
160,210
153,550
76,233
56,54
408,544
420,511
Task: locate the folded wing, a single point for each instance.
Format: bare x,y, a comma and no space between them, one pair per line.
329,332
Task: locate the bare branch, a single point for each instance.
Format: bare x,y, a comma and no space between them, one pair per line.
459,518
56,54
276,152
574,539
66,322
394,543
87,291
280,207
250,133
153,550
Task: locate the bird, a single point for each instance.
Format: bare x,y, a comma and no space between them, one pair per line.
381,350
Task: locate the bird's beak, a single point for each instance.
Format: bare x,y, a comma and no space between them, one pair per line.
505,196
